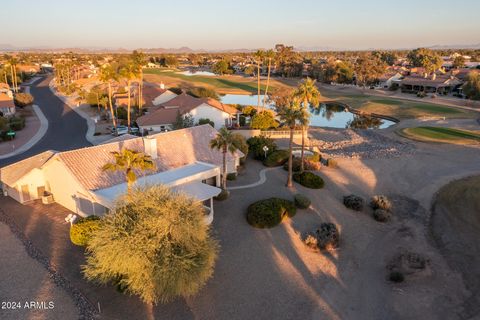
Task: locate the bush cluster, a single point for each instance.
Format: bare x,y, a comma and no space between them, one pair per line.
353,202
263,120
23,99
269,212
232,176
83,229
256,145
16,123
276,158
206,121
326,237
308,180
381,206
302,201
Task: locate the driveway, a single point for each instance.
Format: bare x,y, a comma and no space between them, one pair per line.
66,130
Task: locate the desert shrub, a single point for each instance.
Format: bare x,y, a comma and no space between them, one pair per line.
263,120
16,123
276,158
256,145
269,212
380,202
396,276
332,163
307,165
326,237
302,201
381,215
241,144
23,99
223,195
83,229
180,253
315,157
353,202
308,180
232,176
206,121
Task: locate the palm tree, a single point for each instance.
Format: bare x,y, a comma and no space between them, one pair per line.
290,114
270,54
138,59
224,141
129,72
127,161
259,55
12,61
308,93
107,75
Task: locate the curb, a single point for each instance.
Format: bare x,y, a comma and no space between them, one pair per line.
90,123
36,138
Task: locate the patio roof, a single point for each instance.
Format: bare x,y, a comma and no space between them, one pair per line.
187,178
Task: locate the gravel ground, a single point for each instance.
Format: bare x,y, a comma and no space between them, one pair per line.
362,144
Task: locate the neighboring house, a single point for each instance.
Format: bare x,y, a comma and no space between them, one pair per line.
433,84
388,79
183,158
7,106
166,114
154,96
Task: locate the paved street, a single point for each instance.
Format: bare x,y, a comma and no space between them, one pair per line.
66,128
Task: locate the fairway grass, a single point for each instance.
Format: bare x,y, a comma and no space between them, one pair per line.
441,134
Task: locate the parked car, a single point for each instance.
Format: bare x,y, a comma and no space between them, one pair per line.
121,130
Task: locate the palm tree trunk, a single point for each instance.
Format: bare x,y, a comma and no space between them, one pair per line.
15,78
268,82
224,173
111,106
303,142
12,80
290,159
128,105
258,84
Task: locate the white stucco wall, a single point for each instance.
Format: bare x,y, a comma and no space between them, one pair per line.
208,112
33,179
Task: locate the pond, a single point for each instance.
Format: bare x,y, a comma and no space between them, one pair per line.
196,73
327,115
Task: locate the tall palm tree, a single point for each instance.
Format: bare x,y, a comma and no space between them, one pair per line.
129,72
138,59
308,94
107,75
12,62
290,114
259,56
225,142
127,161
270,54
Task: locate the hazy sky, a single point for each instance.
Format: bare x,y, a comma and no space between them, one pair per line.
215,24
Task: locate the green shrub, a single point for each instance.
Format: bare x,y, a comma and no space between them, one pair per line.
16,123
223,195
82,230
332,163
326,237
269,212
381,215
23,99
276,158
206,121
263,120
380,202
256,145
295,165
232,176
302,201
308,180
353,202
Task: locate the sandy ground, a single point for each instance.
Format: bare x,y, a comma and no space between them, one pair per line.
24,280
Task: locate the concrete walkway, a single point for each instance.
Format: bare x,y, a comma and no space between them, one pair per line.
262,180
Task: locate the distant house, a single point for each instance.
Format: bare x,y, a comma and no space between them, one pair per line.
7,106
432,84
166,114
386,80
183,158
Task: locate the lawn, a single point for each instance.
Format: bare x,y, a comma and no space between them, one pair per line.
441,134
222,84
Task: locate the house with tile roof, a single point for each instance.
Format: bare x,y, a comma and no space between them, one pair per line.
7,106
433,84
183,161
163,117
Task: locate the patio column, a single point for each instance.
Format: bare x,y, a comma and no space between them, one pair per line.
217,181
211,206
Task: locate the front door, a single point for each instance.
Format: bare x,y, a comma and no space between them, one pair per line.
25,193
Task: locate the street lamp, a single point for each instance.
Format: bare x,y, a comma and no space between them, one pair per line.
265,149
